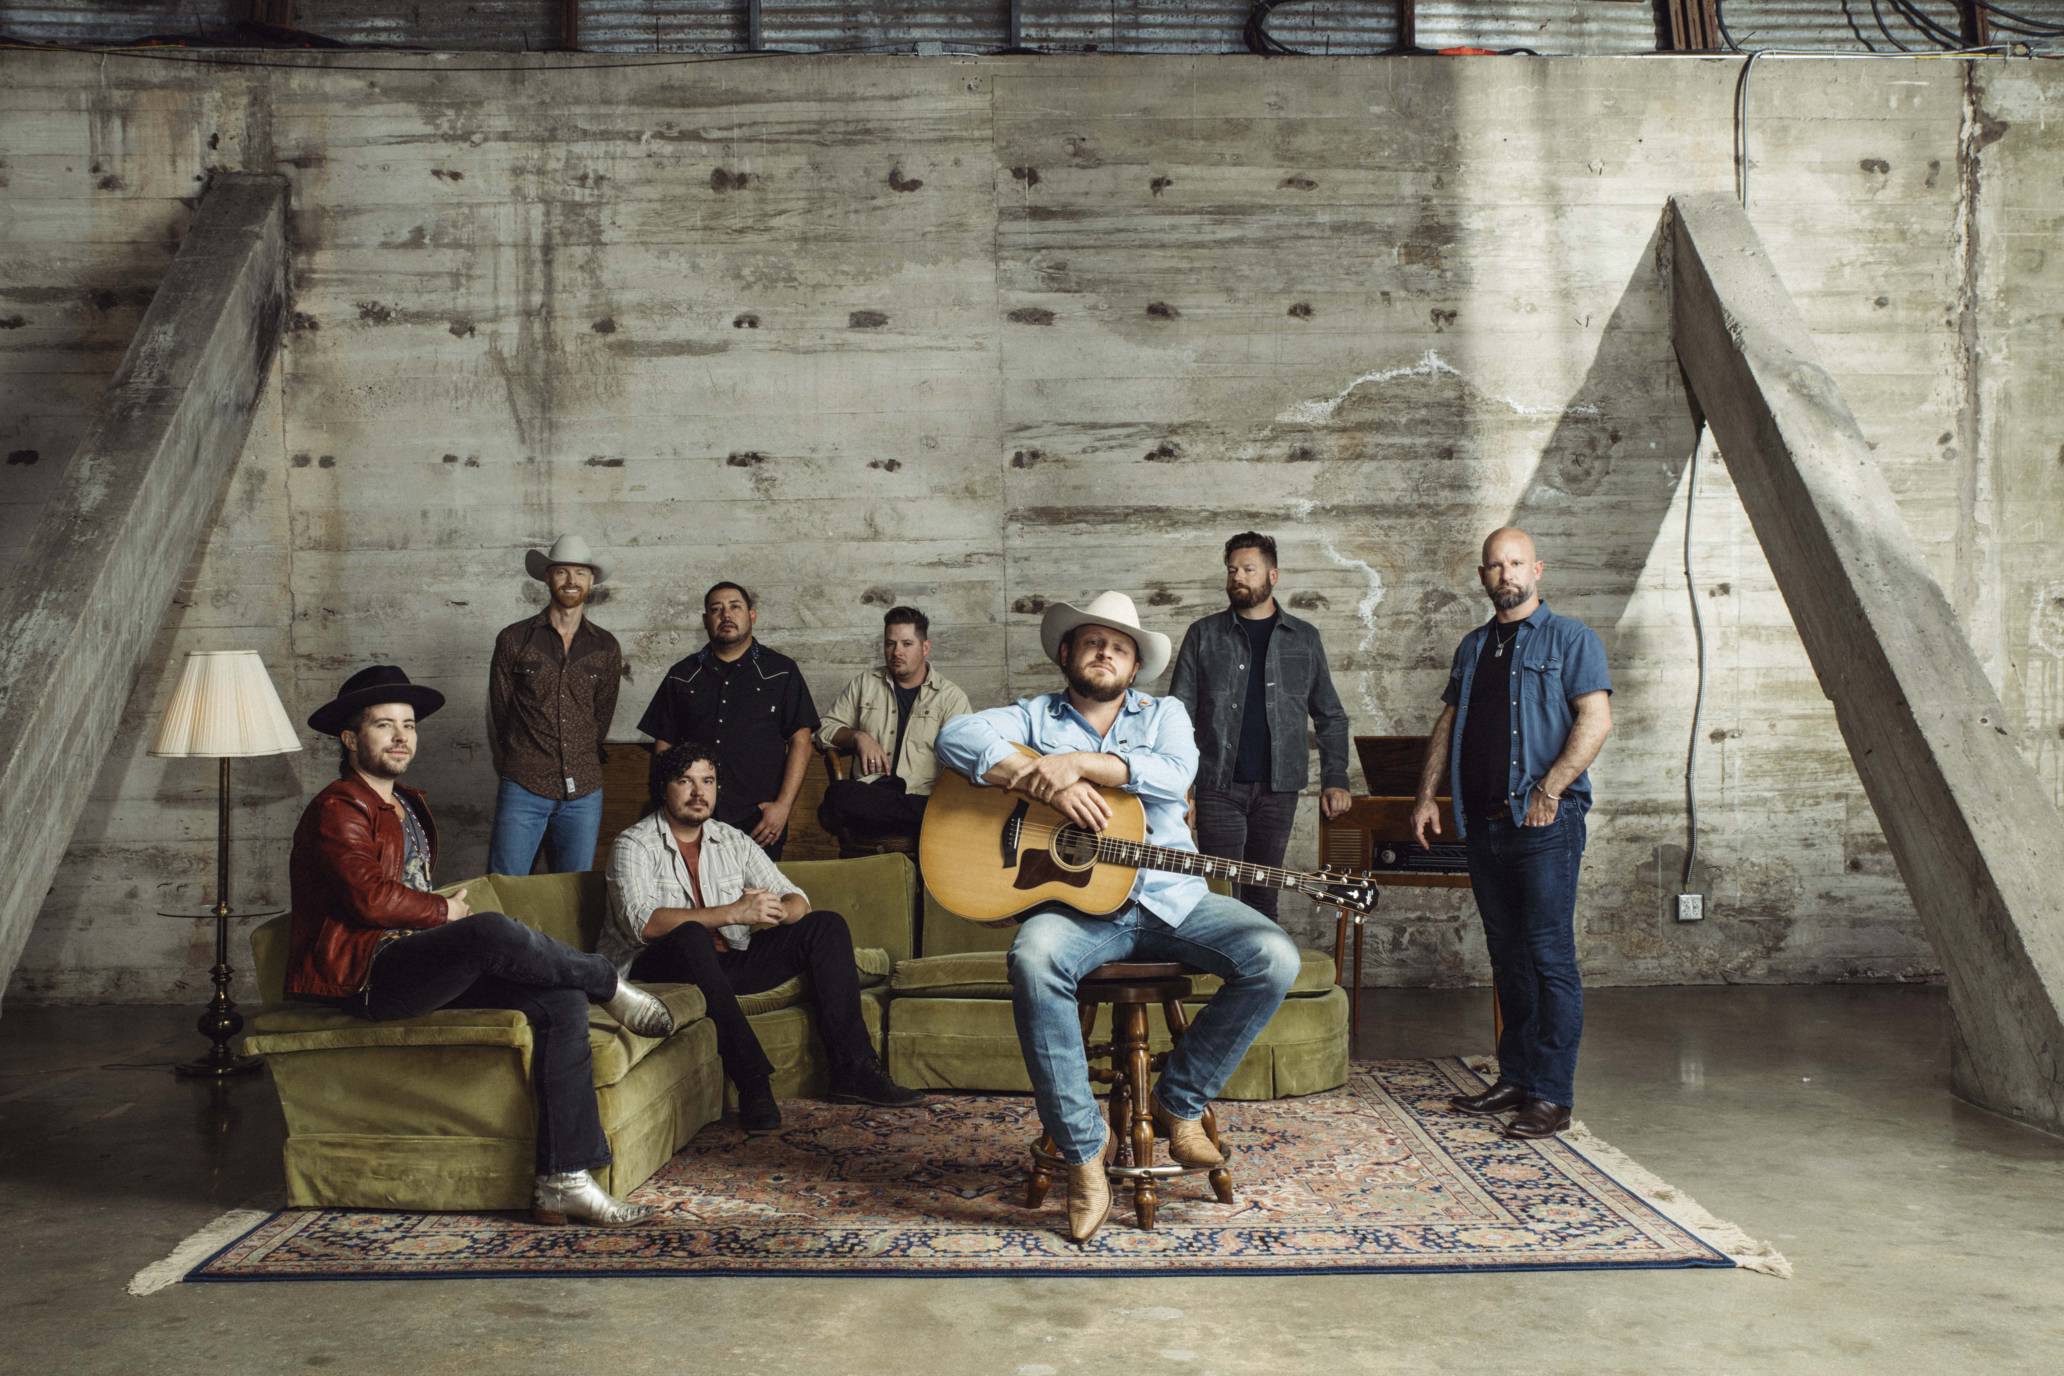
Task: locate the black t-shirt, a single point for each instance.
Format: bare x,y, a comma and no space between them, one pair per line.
1487,739
1251,765
745,712
906,702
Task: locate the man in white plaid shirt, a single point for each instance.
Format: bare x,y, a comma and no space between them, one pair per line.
693,901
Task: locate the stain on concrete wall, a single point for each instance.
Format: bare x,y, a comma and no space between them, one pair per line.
982,335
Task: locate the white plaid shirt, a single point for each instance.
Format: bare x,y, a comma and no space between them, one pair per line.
646,873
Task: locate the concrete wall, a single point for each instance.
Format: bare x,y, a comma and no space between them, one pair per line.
976,334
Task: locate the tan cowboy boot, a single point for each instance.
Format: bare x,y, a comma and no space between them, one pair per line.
1186,1138
1089,1192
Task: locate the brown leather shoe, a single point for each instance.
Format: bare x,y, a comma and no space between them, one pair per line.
1538,1118
1496,1099
1188,1144
1089,1192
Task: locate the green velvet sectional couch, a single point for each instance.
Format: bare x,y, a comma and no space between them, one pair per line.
436,1112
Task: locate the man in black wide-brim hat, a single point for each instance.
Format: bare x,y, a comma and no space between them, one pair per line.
370,937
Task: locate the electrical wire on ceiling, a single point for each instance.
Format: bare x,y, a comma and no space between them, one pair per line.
1941,41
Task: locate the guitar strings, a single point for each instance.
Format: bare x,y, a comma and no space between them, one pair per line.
1113,849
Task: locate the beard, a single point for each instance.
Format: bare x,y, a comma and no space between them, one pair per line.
1108,691
1506,596
727,638
569,597
691,814
1242,596
378,765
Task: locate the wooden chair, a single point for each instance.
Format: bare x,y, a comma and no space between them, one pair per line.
1130,988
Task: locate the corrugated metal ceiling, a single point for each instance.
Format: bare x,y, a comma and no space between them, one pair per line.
1854,26
1330,27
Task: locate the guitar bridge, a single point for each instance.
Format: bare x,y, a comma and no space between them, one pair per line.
1014,834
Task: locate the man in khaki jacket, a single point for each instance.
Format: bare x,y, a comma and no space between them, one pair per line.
888,719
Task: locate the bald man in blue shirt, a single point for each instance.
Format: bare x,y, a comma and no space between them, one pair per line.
1528,707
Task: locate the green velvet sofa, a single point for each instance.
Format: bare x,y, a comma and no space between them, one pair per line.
950,1023
437,1112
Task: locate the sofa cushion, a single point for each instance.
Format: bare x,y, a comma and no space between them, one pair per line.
269,940
565,907
871,962
980,975
292,1028
876,894
965,975
616,1049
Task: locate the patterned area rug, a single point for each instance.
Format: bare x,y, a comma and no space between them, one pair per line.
1378,1176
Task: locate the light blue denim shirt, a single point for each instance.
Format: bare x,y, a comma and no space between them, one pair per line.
1152,735
1555,660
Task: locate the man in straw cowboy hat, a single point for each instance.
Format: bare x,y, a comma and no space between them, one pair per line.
1100,730
369,936
551,692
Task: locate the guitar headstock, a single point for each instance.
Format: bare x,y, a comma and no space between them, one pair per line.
1353,890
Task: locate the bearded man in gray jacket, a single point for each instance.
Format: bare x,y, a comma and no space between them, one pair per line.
1251,676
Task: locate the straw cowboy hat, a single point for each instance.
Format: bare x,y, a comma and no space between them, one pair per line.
1111,609
366,688
567,549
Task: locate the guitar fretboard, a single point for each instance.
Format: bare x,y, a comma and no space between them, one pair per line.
1140,855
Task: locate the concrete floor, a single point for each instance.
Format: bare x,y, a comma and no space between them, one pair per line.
1928,1236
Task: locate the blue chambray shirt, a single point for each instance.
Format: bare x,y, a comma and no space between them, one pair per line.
1554,659
1152,735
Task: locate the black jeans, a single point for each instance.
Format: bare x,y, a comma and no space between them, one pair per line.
1525,882
880,807
1247,823
818,947
491,961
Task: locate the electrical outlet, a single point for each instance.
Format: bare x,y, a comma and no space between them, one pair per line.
1691,907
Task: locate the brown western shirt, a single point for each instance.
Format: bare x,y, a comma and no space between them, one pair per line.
549,706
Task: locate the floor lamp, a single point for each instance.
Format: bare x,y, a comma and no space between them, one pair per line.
224,708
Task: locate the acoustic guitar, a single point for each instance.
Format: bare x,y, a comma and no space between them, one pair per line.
989,854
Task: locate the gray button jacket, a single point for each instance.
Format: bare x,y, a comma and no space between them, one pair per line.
1211,680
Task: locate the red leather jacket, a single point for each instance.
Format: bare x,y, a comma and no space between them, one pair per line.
347,889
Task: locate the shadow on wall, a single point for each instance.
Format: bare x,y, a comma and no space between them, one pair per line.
1602,491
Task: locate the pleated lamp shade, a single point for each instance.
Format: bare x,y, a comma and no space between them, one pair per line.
224,708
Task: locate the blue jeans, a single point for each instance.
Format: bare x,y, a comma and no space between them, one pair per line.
1525,880
567,826
1057,946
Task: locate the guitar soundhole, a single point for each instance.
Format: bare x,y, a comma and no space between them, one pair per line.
1073,849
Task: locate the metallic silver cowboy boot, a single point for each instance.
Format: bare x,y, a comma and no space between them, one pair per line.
574,1197
639,1011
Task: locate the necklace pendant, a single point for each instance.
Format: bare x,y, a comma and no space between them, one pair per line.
1498,651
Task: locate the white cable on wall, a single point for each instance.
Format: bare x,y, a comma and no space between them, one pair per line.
1698,701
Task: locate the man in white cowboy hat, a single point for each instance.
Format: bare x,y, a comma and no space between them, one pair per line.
551,692
1099,730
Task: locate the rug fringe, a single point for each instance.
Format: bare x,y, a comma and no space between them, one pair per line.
197,1248
1679,1207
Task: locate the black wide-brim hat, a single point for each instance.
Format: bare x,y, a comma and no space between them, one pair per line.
380,683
